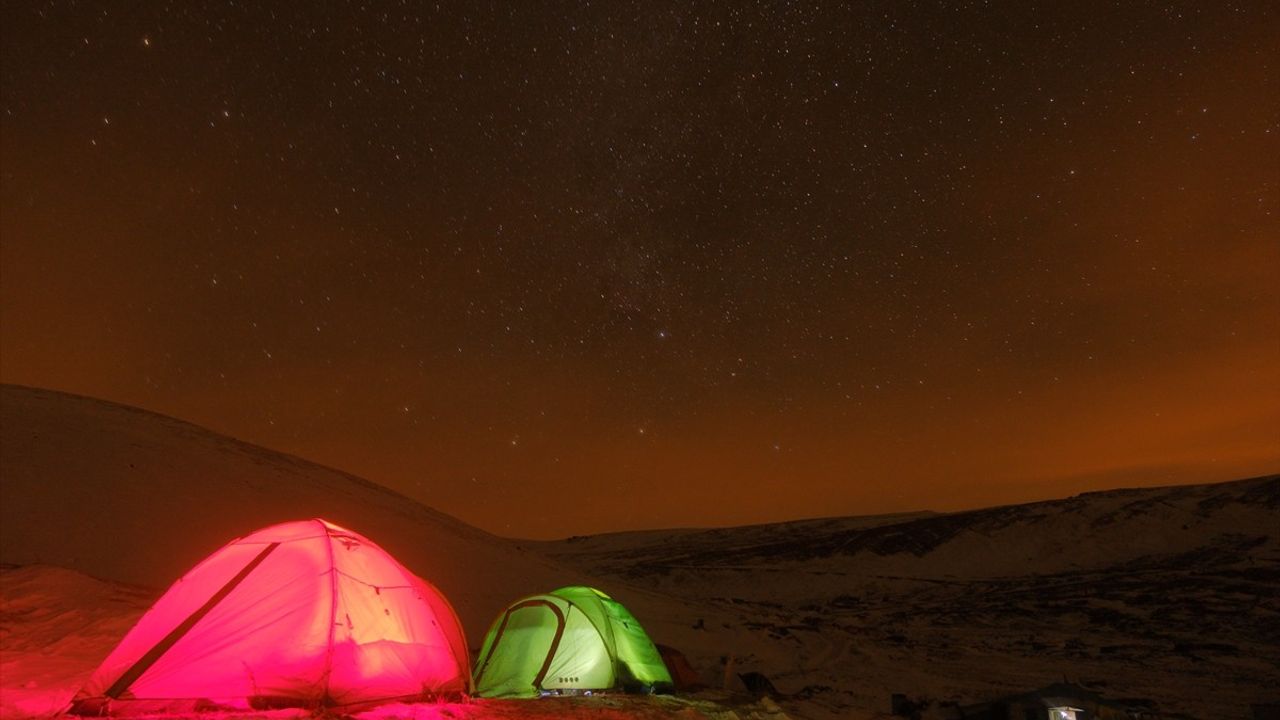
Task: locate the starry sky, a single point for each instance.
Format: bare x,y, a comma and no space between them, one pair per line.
560,268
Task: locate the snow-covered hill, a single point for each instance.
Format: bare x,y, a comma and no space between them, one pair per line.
1168,594
127,495
1092,531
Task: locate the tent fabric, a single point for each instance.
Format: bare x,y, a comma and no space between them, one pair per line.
302,613
572,639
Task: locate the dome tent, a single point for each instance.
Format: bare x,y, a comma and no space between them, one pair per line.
298,614
572,639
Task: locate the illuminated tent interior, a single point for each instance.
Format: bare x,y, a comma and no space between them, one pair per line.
298,614
570,640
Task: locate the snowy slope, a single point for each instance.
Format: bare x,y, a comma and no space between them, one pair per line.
56,625
127,495
1168,594
1096,530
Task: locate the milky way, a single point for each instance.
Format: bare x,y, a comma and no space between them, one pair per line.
561,268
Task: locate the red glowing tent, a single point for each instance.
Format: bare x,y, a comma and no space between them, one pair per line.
298,614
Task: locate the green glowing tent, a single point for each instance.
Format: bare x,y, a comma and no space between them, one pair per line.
569,640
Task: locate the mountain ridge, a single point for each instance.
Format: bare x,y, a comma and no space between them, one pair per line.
1091,530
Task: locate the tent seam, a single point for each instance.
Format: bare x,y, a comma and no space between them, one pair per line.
333,608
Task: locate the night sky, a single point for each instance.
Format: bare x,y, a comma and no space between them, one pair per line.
558,268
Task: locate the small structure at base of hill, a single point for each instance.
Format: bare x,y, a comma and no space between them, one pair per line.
572,640
301,614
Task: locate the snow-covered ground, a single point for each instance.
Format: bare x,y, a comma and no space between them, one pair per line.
56,625
1167,593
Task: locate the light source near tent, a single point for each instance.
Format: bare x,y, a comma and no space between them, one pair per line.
298,614
570,641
